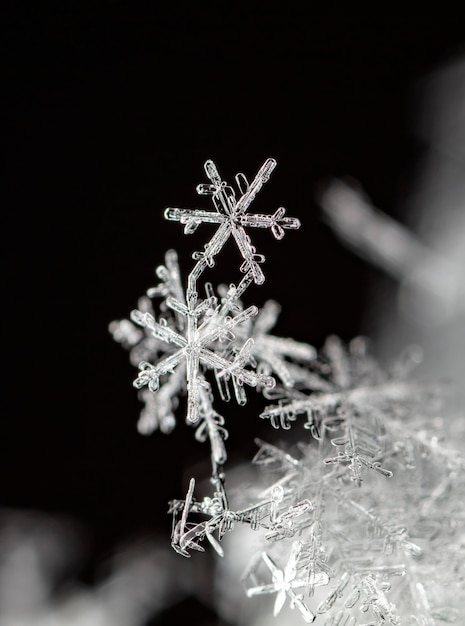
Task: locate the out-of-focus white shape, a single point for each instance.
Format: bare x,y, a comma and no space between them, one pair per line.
32,558
37,559
428,258
431,289
437,203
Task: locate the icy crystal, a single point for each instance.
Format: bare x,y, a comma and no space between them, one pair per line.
193,335
365,513
231,215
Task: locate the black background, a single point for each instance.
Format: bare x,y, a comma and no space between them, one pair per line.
109,118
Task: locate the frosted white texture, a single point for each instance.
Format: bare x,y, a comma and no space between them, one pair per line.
363,521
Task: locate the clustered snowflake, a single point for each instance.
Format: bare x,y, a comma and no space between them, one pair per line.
330,548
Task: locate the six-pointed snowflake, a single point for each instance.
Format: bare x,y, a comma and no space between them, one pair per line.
231,215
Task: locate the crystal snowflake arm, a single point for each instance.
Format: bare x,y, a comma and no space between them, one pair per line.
222,194
198,532
187,535
359,445
159,408
239,391
235,368
159,330
276,573
376,599
365,399
283,525
282,414
260,179
220,326
260,590
234,292
328,603
267,317
212,427
213,542
222,384
276,222
192,218
290,569
183,309
194,383
215,245
170,276
275,352
179,529
392,533
243,316
298,603
249,254
150,374
272,588
223,200
177,306
280,601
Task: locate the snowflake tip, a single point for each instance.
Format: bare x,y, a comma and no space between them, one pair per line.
147,376
212,172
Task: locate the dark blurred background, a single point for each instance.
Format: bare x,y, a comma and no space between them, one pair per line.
109,116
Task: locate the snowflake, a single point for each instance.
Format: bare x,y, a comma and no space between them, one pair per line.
193,349
284,580
230,214
181,345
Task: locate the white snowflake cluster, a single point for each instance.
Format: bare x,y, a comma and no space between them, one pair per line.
196,337
351,524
